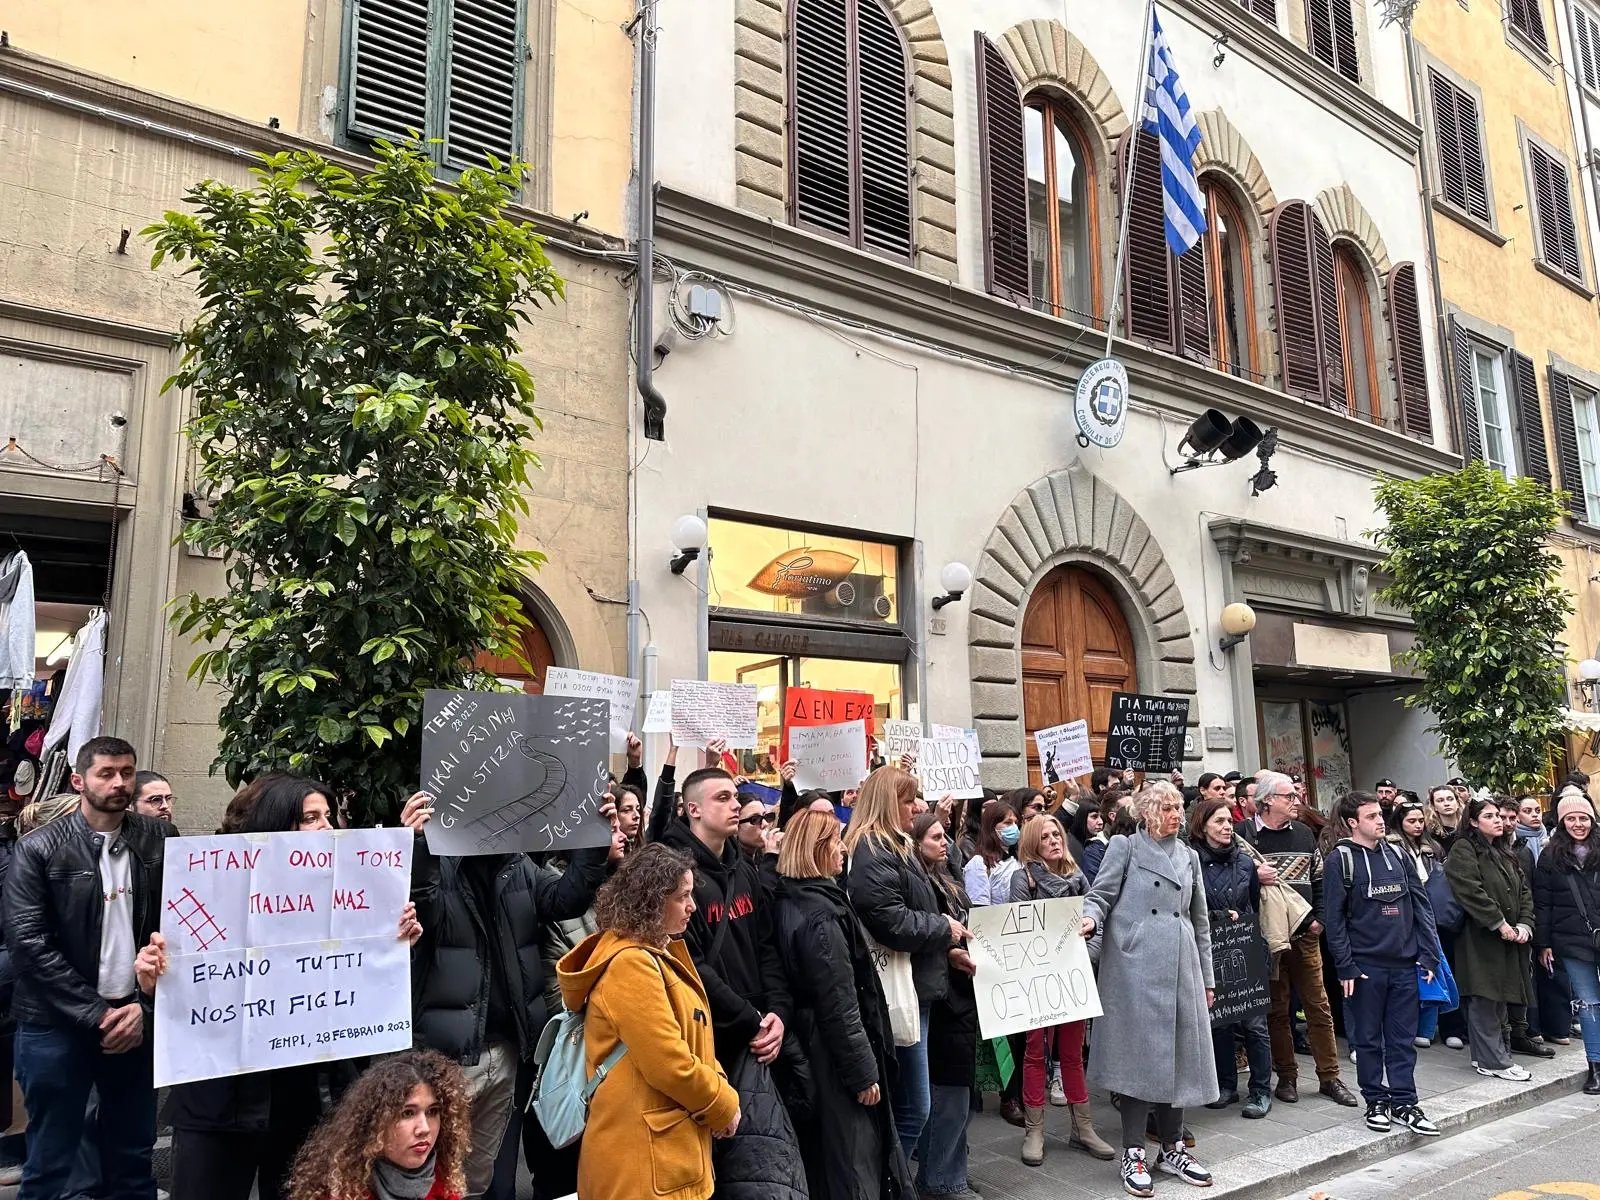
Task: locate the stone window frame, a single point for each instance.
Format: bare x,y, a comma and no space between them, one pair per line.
1348,221
1430,146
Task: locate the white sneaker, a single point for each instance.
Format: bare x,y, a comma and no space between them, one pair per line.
1514,1073
1421,1043
1352,1056
1136,1179
1058,1094
1176,1160
1454,1043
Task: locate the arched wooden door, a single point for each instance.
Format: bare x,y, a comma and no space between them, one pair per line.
1076,651
536,646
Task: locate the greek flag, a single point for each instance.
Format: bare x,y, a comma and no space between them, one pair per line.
1166,114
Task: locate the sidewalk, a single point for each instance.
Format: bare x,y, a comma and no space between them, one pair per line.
1257,1160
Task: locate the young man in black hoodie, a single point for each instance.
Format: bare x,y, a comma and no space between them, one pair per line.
1380,931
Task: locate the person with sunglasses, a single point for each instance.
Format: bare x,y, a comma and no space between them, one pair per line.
757,822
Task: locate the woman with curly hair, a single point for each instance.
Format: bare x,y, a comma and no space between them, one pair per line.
651,1120
400,1133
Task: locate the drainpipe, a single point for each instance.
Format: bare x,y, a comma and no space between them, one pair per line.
655,404
1441,330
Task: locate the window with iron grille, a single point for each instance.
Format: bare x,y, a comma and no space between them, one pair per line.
1555,229
1458,146
849,121
450,70
1526,17
1331,35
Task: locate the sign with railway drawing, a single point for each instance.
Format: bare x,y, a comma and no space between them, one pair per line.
282,950
512,773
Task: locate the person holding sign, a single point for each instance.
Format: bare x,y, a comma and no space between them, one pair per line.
241,1132
400,1132
1153,946
1047,872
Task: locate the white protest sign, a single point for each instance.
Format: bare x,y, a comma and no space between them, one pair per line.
622,693
899,738
830,757
282,950
658,716
702,712
946,732
1033,966
949,767
1064,751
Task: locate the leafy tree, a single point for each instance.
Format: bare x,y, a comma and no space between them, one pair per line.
364,431
1469,557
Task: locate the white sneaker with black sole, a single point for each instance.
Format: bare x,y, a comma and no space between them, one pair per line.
1414,1119
1058,1093
1514,1073
1378,1118
1136,1179
1176,1160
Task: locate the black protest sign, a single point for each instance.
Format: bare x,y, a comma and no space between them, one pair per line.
1146,732
511,772
1239,958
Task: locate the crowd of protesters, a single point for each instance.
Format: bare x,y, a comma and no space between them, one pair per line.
781,1005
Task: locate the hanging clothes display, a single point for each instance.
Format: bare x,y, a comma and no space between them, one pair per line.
76,718
17,623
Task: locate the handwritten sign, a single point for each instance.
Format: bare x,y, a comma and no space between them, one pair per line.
513,773
1239,960
1033,966
803,706
830,757
1064,751
702,712
900,738
949,767
1146,732
622,693
658,716
282,950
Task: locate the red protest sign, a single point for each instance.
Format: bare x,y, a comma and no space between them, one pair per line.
813,706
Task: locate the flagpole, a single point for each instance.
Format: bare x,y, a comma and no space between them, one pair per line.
1140,89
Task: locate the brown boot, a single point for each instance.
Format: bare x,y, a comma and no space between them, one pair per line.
1033,1136
1084,1135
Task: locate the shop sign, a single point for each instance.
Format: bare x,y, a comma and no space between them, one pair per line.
1102,404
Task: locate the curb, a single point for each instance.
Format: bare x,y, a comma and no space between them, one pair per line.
1311,1158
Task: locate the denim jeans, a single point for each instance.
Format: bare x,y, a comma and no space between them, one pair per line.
1428,1020
942,1155
1585,980
1257,1049
56,1068
910,1097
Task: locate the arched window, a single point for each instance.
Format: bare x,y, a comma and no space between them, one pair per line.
849,113
1214,297
1355,331
1060,236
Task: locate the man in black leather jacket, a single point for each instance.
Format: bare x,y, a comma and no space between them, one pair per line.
83,894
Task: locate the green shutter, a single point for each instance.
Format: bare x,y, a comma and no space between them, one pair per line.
483,107
387,88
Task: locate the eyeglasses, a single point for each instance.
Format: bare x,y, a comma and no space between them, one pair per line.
759,819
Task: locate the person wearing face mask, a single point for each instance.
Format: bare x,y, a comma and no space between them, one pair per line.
989,870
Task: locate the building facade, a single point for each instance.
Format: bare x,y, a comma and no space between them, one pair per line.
906,213
106,117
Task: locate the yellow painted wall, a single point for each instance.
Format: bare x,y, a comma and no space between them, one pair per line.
592,121
242,57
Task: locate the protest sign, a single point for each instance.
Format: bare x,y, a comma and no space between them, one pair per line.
803,706
830,757
282,950
622,693
658,717
1146,732
1064,751
1033,966
702,712
899,738
949,767
513,773
1239,960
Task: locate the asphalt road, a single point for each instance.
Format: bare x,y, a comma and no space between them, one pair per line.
1550,1151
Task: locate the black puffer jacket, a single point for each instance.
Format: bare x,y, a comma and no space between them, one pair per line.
1558,925
762,1160
1230,878
894,898
450,974
54,907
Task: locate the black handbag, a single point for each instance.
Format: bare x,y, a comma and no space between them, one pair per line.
1583,911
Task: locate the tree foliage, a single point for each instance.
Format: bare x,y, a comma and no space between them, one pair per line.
363,432
1470,560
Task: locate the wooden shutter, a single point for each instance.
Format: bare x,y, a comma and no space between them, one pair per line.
1410,361
883,114
1527,18
1147,274
823,163
1003,165
1586,33
1194,302
1267,10
1552,206
1319,29
1463,181
1530,419
481,109
1466,393
388,90
1296,295
1328,324
1346,60
1567,456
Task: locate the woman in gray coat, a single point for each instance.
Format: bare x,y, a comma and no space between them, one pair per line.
1153,945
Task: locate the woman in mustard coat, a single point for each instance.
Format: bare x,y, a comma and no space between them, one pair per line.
651,1122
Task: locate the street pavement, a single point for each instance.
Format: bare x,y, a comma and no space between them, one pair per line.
1548,1151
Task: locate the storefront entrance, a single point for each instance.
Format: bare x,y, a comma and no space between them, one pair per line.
1077,650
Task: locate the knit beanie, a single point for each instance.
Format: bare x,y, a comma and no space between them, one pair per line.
1572,802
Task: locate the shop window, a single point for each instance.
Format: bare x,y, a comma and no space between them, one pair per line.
1309,739
796,573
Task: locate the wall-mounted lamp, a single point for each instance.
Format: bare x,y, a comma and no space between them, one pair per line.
1237,622
689,536
1213,441
955,579
1588,678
